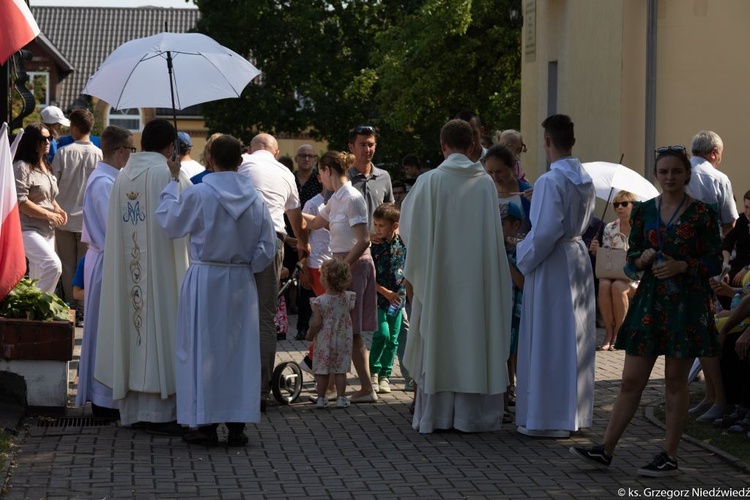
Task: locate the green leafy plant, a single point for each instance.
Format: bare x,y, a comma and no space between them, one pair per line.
28,301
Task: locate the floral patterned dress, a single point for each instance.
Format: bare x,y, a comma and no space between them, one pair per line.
614,238
333,343
679,325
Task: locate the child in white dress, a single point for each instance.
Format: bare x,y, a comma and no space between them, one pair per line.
331,328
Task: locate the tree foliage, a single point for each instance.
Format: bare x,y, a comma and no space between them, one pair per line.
404,66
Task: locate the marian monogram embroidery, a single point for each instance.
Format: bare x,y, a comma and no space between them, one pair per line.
136,293
132,213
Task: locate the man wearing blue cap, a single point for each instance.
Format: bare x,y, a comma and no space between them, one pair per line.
188,166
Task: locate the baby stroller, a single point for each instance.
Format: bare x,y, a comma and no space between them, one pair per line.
287,379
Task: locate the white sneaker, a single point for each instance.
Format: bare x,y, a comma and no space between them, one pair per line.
322,402
343,402
409,385
375,382
384,387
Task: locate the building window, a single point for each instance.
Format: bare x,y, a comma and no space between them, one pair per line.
38,85
126,118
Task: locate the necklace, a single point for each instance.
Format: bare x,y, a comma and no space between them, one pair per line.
669,223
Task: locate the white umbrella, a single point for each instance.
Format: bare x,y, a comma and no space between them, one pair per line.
174,70
611,178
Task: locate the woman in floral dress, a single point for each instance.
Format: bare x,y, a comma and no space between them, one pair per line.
675,246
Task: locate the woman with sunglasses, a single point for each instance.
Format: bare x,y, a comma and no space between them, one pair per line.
614,295
675,244
36,188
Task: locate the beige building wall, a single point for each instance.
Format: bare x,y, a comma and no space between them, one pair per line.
702,76
585,40
600,49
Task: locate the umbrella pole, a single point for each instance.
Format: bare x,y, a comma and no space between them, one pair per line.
170,68
601,231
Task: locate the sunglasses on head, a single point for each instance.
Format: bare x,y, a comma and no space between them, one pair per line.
673,149
364,129
618,204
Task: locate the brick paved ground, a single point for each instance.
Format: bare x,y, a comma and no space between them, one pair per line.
366,451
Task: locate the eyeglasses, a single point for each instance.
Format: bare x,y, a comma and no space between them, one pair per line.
45,138
132,150
364,129
618,204
674,149
307,157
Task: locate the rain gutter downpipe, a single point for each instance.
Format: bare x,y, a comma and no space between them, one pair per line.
650,139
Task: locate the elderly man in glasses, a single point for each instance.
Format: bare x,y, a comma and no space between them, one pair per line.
709,185
308,187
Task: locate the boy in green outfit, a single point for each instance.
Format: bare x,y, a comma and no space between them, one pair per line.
389,256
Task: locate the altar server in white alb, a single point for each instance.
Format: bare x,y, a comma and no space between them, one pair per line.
117,144
457,268
557,338
143,269
232,236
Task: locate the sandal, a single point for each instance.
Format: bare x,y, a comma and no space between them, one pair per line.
604,347
507,418
612,348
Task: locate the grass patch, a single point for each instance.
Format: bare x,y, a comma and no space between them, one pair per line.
734,444
6,442
6,445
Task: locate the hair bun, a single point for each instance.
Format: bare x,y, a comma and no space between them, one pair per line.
346,160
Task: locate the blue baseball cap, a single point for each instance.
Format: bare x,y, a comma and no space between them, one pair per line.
184,139
511,210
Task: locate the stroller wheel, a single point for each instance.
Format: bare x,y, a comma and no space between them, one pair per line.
286,383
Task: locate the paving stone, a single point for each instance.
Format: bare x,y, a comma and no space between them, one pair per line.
366,451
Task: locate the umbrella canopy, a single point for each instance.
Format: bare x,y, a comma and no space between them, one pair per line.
611,178
170,70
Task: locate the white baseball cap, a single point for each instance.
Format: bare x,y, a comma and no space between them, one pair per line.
53,114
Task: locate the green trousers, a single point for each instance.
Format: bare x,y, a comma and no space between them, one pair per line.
384,344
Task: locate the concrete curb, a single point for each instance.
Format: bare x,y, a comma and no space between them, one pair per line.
730,459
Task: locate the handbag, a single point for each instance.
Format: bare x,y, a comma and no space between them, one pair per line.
610,263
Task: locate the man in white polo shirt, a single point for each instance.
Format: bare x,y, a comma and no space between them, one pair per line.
707,183
276,185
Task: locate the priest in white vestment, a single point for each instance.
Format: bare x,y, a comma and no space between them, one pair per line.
232,236
143,269
557,337
117,144
457,270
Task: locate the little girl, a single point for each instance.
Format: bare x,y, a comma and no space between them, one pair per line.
331,328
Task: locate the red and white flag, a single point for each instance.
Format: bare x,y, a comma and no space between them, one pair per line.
12,257
17,27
